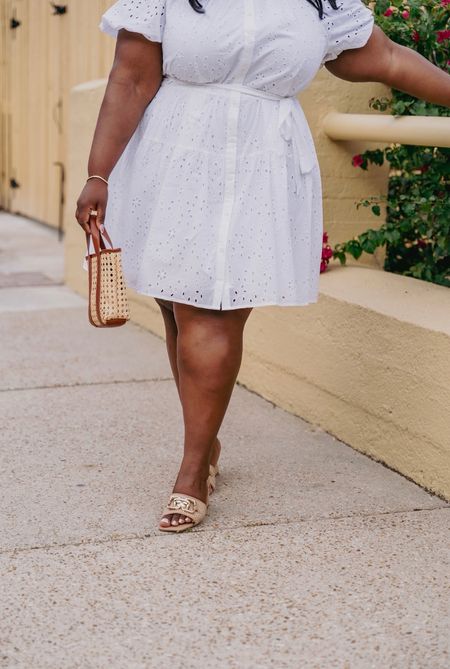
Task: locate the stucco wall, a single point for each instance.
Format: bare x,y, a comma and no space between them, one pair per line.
343,184
370,361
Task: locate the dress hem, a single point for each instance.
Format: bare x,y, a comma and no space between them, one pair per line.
230,308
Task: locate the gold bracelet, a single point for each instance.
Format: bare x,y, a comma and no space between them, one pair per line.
97,176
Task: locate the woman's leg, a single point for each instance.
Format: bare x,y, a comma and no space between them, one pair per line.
171,336
171,345
208,357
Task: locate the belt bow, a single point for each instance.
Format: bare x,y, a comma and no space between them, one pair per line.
293,128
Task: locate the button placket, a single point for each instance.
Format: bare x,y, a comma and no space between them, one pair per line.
231,151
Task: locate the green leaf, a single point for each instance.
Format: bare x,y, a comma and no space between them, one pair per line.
376,210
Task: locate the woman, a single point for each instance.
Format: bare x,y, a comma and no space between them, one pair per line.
214,187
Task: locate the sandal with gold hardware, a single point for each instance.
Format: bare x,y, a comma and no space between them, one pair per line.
187,506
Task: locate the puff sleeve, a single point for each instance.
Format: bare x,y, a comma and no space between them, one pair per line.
348,27
138,16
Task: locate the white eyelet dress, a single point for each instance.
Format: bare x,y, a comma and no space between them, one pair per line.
216,200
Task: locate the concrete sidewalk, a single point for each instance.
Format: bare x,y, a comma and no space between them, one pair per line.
312,556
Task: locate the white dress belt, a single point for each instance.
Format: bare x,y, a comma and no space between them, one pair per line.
240,88
292,124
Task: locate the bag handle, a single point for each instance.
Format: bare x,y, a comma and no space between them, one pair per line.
98,238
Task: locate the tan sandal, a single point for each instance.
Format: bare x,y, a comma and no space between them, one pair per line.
213,472
185,505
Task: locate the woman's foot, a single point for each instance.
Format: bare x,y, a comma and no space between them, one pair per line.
193,482
214,469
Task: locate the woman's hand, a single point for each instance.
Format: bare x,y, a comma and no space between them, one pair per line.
93,197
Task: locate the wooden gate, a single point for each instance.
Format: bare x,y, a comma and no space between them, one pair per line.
46,48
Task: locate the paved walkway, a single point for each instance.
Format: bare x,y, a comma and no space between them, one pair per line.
312,557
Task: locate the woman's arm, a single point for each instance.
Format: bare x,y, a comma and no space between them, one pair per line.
401,68
134,80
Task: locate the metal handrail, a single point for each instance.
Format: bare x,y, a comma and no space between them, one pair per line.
416,130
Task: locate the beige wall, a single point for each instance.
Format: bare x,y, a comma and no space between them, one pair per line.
343,184
370,362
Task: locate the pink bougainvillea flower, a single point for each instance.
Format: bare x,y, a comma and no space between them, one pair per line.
405,14
445,2
415,36
389,11
327,252
357,160
442,35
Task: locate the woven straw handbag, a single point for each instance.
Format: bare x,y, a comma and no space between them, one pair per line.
108,303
